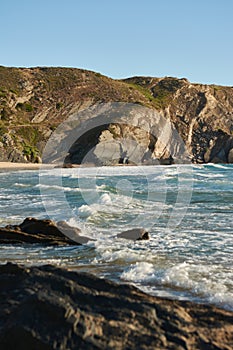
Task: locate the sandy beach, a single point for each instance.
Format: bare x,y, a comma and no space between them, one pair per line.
22,166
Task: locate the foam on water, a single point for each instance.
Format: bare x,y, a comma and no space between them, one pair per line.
85,211
218,166
140,272
191,260
105,199
190,279
58,188
21,185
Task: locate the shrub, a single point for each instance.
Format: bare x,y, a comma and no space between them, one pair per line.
30,134
3,130
59,105
27,107
30,152
5,113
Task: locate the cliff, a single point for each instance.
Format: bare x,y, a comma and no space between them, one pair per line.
202,115
34,101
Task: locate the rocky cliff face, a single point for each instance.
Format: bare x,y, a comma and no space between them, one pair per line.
202,115
33,102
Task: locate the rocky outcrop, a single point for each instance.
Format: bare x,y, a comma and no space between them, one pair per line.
33,102
202,115
116,133
47,232
32,230
54,308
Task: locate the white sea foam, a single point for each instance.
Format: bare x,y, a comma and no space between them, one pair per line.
141,271
193,261
73,222
85,211
209,175
197,279
21,185
105,199
58,188
113,249
219,166
193,278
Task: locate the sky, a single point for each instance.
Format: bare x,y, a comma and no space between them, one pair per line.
122,38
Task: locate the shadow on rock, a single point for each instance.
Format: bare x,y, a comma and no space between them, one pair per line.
54,308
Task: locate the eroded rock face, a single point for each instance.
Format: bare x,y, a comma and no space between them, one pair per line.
53,308
194,125
202,115
134,135
43,98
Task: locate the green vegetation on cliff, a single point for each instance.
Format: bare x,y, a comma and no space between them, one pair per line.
34,101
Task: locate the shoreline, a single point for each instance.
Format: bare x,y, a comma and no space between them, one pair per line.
37,166
24,166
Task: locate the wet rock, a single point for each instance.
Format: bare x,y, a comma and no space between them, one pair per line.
32,230
72,232
136,234
53,308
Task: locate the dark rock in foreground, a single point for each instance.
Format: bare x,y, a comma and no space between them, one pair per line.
53,308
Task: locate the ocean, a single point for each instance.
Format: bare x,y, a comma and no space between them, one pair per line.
187,209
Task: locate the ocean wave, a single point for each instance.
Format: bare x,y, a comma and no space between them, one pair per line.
208,175
16,184
85,211
105,199
197,279
139,272
219,166
58,188
194,279
193,261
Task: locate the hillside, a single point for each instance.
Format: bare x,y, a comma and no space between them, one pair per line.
34,101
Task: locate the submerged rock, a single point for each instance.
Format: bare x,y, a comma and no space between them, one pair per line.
136,234
54,308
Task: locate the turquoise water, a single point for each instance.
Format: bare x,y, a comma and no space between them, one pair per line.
187,210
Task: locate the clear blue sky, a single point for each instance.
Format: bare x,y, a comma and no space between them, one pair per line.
122,38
